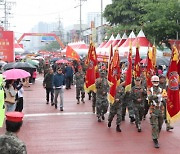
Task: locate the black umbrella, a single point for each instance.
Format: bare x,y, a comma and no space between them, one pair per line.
19,65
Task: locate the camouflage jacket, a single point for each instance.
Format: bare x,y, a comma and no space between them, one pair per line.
119,94
102,87
11,144
138,94
79,79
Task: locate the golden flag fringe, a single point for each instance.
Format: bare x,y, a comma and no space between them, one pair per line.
129,70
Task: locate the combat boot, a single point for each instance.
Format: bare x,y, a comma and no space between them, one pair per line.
139,128
123,118
132,119
78,101
93,108
118,129
109,124
99,119
103,118
156,144
82,100
168,126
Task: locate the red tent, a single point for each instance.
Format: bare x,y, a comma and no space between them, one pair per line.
141,40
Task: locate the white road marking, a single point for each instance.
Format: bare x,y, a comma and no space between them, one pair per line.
57,114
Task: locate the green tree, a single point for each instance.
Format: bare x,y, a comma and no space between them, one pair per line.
158,18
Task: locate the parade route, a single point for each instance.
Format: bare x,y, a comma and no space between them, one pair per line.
47,130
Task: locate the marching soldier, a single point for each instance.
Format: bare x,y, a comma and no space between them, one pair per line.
79,79
101,95
116,108
163,86
156,109
138,93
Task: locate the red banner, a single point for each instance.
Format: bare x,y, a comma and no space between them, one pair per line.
137,63
7,46
70,53
129,71
173,101
150,68
92,69
115,76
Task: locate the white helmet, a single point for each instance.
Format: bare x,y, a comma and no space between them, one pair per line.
155,79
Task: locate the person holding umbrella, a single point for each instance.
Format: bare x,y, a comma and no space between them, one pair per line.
10,94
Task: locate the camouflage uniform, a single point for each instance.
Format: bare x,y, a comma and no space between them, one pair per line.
128,103
11,144
79,79
156,110
101,97
138,93
116,107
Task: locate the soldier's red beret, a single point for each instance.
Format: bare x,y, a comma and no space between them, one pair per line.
14,116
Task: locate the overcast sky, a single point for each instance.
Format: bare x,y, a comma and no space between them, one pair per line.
27,13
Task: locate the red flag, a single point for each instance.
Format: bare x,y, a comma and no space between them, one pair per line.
150,68
137,63
129,71
110,65
115,76
70,53
92,69
173,100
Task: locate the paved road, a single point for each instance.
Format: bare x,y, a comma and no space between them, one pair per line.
47,130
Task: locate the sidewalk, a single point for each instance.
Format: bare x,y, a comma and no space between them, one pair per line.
47,130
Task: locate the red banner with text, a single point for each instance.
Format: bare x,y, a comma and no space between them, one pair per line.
7,46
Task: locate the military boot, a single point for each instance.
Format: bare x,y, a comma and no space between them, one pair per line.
109,124
156,144
99,119
132,119
168,127
93,109
118,129
103,118
82,100
139,128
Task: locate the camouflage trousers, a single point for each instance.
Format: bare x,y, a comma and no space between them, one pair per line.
115,109
101,106
156,120
80,90
139,112
128,104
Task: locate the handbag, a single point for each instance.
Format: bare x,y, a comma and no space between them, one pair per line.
9,98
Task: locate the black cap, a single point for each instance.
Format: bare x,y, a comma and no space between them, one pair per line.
162,76
138,79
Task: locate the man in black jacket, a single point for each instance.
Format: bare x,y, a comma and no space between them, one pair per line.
48,85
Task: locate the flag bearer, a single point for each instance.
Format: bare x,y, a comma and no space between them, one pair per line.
116,108
138,93
101,95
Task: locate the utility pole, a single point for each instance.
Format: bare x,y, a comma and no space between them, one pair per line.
7,5
101,30
80,29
